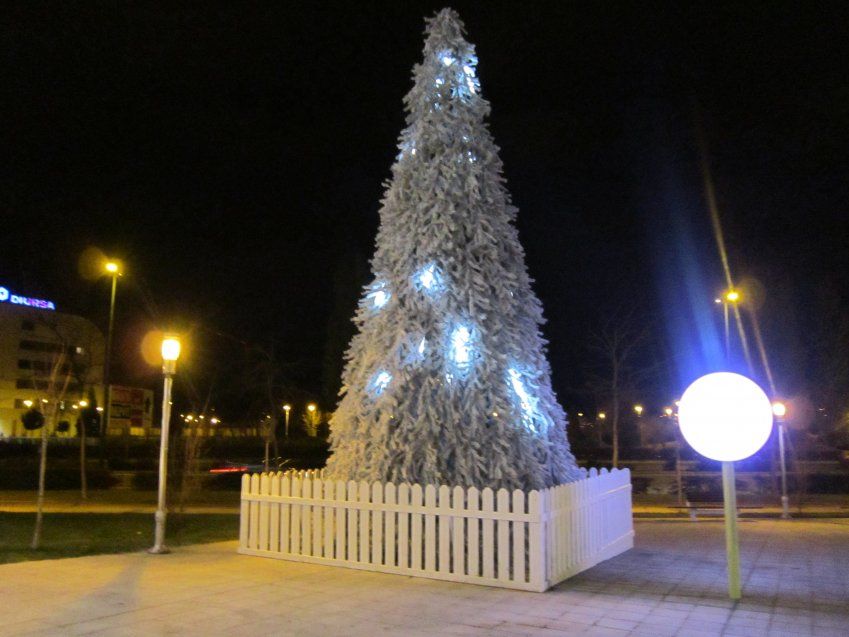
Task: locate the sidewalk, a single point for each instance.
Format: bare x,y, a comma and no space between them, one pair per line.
795,574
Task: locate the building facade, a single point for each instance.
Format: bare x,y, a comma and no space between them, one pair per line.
46,356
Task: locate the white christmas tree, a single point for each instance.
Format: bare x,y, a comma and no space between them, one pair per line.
446,381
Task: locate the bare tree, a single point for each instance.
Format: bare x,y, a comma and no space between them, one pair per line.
55,393
615,378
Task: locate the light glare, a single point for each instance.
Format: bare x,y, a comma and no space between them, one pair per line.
725,416
170,348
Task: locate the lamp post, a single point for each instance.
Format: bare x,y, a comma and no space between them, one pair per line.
114,270
286,410
170,354
729,296
779,410
726,417
638,409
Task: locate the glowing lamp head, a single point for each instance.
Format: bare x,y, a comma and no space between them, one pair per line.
725,416
112,267
170,354
311,408
83,403
602,415
170,348
779,409
27,404
287,408
638,409
732,296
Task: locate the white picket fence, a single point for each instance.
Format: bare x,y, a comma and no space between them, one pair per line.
513,540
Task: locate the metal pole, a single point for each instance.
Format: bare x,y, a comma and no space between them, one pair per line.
678,481
785,501
727,333
732,543
159,536
105,424
287,423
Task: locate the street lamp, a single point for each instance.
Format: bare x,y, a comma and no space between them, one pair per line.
170,354
726,417
602,415
779,410
311,408
729,296
113,269
638,409
286,410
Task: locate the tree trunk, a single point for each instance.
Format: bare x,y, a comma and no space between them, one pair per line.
39,505
615,421
83,482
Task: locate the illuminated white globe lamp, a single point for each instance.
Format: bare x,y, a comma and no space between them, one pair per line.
725,416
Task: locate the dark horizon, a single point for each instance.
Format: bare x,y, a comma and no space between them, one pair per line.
233,158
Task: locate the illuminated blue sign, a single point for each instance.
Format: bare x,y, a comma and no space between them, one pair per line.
16,299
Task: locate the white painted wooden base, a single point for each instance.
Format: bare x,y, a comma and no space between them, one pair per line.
523,541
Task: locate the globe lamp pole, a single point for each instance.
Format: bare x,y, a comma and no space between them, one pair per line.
779,409
726,417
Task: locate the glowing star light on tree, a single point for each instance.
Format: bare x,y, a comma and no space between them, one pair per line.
446,380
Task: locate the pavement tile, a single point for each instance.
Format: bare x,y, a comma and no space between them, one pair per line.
672,584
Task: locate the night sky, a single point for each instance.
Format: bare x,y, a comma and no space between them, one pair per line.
233,156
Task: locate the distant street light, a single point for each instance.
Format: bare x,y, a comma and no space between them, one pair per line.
779,410
311,408
170,354
112,268
667,411
602,415
638,409
729,296
286,410
27,403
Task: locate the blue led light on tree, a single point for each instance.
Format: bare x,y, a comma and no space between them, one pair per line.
380,381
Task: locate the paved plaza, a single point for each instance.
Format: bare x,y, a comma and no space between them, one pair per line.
795,575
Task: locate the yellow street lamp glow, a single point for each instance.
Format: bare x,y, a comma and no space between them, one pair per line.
83,403
214,420
667,411
602,415
638,409
112,267
287,407
732,296
311,407
27,404
779,409
170,348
